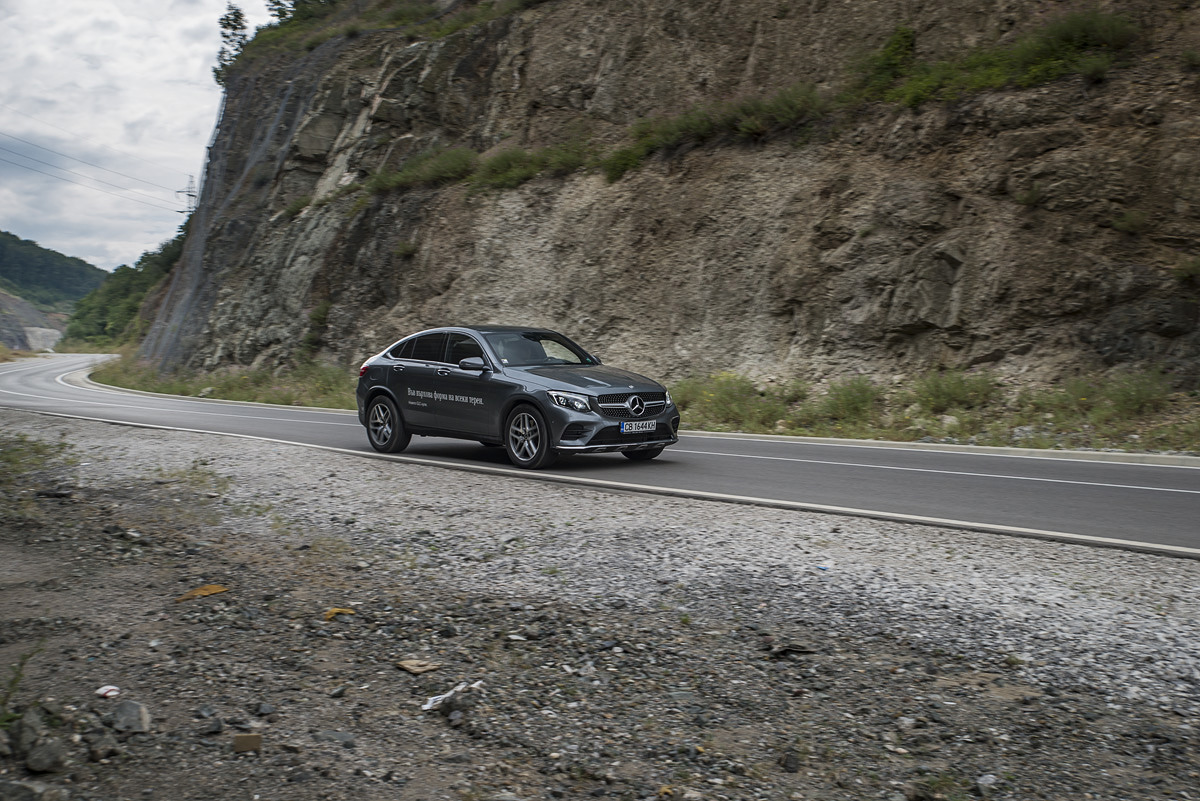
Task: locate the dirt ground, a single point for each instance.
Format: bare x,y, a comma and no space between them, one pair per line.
306,676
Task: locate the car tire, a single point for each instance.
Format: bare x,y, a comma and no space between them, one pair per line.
385,427
644,455
527,438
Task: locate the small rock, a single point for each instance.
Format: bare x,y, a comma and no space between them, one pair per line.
211,726
131,716
47,756
27,731
102,747
262,710
986,784
338,692
346,739
790,761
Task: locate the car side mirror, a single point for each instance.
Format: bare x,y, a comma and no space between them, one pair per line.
474,363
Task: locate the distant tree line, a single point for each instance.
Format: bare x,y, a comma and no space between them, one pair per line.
45,278
109,315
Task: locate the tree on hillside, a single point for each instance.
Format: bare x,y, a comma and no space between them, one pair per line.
107,315
233,39
285,10
46,278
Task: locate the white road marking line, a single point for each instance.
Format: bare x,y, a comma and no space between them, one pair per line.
932,470
284,419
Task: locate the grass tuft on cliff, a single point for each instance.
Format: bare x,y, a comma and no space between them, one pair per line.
1086,43
433,168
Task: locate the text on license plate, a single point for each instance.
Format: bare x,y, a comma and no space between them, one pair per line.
634,426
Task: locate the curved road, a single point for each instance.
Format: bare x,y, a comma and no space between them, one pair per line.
1097,499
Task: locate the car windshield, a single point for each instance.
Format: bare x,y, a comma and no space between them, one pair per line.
536,348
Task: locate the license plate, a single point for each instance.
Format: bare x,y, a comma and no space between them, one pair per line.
635,426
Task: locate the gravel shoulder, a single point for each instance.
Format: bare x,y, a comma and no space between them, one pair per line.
603,644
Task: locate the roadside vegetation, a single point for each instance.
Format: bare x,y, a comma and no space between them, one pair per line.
7,354
1131,412
1134,411
108,316
308,384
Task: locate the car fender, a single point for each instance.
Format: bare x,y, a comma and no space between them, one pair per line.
514,402
378,390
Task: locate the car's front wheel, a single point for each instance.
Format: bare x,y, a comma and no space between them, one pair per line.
527,438
643,455
385,429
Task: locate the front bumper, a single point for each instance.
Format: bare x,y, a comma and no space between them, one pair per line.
584,432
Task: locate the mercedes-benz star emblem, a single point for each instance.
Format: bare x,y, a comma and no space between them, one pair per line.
636,405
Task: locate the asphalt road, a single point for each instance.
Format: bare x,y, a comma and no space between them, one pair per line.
1094,499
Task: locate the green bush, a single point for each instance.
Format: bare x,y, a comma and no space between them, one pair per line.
1083,43
511,168
1030,197
508,169
727,400
1131,222
953,389
407,13
433,168
296,206
1188,272
850,400
1137,394
789,109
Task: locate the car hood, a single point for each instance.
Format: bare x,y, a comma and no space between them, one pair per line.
593,379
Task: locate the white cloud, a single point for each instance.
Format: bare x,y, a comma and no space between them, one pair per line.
123,84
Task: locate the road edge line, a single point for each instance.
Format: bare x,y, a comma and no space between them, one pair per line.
603,485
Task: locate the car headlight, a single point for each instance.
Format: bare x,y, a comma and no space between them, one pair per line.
668,398
569,400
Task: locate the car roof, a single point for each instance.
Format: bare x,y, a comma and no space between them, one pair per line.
486,329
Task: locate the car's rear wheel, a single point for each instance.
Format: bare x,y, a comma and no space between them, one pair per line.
385,429
644,455
527,438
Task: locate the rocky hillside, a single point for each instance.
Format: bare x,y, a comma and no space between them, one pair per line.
1038,230
22,327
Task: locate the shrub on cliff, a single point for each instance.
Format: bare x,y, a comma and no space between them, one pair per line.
433,168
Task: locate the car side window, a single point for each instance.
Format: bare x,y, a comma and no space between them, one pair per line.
430,348
404,350
461,347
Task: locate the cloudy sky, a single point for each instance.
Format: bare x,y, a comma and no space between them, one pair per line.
106,108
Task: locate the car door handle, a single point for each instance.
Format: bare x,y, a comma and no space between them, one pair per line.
443,371
399,368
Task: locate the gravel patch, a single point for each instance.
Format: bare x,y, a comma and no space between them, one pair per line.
591,643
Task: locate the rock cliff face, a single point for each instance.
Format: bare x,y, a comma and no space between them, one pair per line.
1032,230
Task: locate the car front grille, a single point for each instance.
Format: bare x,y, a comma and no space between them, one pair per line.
621,397
613,405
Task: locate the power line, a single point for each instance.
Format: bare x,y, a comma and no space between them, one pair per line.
75,158
89,141
81,175
85,186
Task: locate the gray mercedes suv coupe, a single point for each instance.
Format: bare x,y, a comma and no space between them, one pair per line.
532,391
